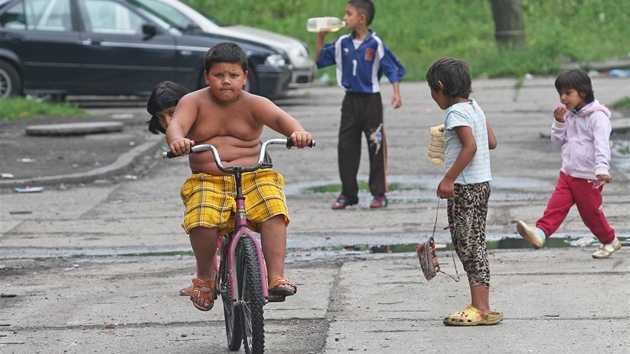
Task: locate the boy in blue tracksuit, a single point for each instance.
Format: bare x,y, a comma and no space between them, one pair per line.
361,58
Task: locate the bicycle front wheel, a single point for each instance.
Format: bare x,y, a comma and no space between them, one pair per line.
231,311
252,300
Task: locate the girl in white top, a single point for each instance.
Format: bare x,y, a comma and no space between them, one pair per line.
466,183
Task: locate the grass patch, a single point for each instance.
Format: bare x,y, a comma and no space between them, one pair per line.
625,150
426,30
16,108
623,103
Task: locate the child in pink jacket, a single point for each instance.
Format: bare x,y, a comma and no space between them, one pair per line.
582,130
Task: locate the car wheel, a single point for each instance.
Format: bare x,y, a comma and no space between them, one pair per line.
10,82
251,85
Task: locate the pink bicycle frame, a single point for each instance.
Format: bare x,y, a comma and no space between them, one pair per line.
243,231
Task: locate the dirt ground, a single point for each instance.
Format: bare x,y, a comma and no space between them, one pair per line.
26,156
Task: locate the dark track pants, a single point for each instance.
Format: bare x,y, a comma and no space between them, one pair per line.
362,114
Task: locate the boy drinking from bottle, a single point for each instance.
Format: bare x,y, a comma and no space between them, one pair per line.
361,57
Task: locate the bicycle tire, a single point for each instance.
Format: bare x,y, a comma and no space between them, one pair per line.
252,300
231,312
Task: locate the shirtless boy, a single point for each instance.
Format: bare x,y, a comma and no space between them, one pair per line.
232,120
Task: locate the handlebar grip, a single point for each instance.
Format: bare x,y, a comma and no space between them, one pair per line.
290,143
168,155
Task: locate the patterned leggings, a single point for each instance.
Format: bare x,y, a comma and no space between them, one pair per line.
467,212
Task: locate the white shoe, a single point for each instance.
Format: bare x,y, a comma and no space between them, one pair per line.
530,234
605,251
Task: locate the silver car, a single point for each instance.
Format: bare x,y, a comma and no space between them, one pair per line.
189,20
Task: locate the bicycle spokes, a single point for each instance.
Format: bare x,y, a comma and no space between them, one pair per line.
251,302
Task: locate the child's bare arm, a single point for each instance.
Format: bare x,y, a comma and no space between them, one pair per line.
277,119
183,119
492,140
396,100
446,188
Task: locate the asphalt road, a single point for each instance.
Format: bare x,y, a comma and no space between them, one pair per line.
93,263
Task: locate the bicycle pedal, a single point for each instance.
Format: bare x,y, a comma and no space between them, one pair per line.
276,298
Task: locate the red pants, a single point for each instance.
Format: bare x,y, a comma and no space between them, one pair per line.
581,192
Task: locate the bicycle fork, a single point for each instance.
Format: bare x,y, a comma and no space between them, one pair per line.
241,231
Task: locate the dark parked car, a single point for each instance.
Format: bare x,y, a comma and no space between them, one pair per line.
109,47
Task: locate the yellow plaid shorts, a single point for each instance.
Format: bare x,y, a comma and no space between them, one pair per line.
209,200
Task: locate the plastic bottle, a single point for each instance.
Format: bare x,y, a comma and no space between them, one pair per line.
321,24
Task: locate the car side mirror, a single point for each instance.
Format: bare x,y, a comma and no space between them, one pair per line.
149,30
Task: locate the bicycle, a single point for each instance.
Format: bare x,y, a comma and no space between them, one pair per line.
241,272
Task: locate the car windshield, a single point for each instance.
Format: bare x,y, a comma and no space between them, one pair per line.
172,16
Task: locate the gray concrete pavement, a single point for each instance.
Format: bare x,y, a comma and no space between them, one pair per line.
95,267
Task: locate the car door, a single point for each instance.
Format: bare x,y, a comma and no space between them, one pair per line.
40,33
119,54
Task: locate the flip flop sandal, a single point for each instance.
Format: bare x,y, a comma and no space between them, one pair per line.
280,288
196,293
471,316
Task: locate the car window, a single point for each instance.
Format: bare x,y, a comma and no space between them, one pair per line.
165,12
41,15
175,16
104,16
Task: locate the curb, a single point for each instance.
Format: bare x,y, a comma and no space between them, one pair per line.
122,164
70,129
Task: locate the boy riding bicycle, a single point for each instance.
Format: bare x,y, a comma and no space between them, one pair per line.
232,120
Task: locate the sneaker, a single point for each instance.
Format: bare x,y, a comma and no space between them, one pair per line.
343,201
379,202
530,234
605,251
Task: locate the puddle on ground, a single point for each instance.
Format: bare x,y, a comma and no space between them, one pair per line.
296,253
504,244
417,189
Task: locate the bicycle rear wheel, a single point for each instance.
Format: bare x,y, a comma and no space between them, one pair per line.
231,311
250,291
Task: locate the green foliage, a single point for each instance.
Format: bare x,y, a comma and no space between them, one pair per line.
623,103
419,32
23,108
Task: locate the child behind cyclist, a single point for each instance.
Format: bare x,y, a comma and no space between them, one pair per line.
232,120
161,106
466,184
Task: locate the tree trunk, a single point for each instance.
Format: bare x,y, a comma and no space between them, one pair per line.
508,19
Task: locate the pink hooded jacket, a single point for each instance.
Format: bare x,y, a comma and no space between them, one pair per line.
584,141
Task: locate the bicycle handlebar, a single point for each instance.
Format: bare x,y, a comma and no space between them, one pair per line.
261,157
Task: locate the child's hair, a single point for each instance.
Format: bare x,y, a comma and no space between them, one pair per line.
165,95
366,7
454,76
225,52
577,80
